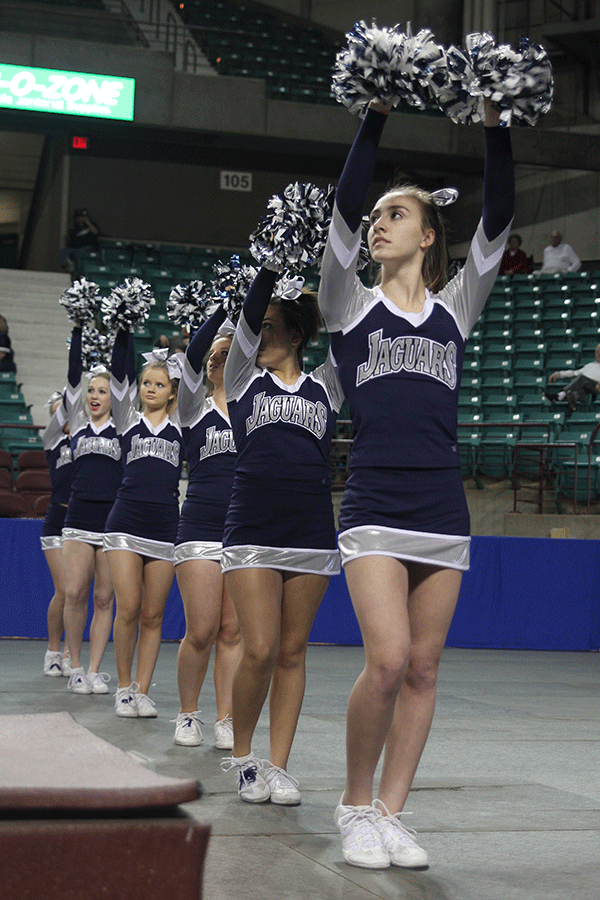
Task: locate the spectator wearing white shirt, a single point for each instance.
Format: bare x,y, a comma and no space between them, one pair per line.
559,257
585,381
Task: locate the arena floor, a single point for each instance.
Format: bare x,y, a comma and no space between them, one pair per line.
506,800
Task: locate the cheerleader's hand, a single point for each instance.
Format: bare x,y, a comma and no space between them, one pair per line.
491,114
383,106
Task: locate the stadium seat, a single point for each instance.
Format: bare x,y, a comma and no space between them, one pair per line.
32,459
40,505
15,506
33,483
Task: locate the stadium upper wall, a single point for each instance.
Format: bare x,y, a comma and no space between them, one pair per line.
238,107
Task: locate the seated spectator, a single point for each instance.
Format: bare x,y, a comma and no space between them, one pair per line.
559,257
161,341
514,259
7,363
84,232
585,381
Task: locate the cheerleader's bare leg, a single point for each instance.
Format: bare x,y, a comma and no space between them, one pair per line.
302,595
228,649
257,597
56,625
102,620
404,612
126,569
78,560
431,603
201,587
158,577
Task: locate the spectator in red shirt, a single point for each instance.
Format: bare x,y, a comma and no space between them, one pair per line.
513,258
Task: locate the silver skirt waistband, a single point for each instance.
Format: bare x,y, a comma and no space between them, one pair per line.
448,551
115,540
289,559
51,542
197,550
88,537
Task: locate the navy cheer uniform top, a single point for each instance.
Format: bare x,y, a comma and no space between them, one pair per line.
401,372
210,452
97,469
144,517
280,515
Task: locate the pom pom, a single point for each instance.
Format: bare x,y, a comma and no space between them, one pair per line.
292,235
82,301
518,82
96,347
385,62
128,305
231,284
188,304
368,66
421,68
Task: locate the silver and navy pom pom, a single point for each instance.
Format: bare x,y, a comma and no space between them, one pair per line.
518,82
421,69
96,347
293,234
81,301
368,67
231,283
128,305
188,304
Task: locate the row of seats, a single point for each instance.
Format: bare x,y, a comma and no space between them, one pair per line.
26,492
248,41
16,425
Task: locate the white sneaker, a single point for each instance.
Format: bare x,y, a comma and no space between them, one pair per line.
99,682
361,840
65,665
145,706
251,786
224,734
78,682
52,660
398,840
283,787
125,702
187,729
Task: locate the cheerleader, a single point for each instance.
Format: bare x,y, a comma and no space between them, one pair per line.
142,526
96,477
57,446
404,524
279,545
209,614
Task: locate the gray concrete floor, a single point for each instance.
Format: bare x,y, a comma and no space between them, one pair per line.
506,799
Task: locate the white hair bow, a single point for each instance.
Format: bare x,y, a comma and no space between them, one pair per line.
444,196
161,355
290,288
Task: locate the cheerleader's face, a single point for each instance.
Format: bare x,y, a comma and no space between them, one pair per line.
216,360
155,389
98,399
396,231
277,344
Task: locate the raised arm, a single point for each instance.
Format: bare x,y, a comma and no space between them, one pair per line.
244,347
123,412
345,232
53,432
498,176
468,292
191,391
